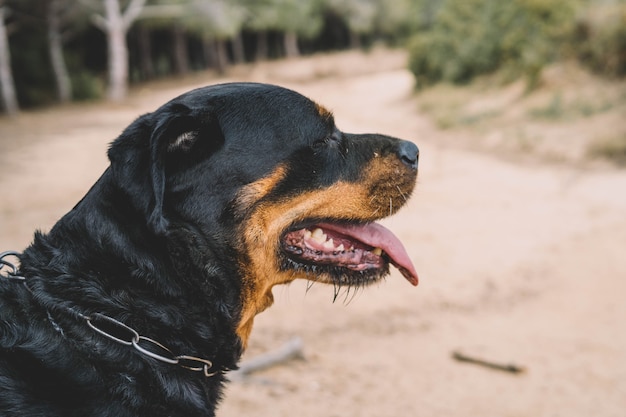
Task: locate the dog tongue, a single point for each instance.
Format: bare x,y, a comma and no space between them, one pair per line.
377,236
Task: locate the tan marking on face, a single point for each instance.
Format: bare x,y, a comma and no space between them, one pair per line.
385,186
259,189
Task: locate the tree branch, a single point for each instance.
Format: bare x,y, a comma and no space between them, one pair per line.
132,12
293,349
99,22
162,11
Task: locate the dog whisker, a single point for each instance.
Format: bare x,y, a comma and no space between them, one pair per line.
347,294
404,196
347,301
336,290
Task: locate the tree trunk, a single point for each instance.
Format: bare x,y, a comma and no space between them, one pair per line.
115,24
55,46
291,45
118,64
117,51
222,55
210,58
215,54
9,98
355,40
239,55
262,48
145,53
181,61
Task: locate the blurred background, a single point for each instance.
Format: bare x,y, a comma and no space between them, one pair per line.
517,226
59,50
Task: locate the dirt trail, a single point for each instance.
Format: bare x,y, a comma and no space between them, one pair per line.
519,262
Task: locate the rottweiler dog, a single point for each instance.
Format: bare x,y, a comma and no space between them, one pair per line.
141,298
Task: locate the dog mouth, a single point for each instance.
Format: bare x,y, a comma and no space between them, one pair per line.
349,253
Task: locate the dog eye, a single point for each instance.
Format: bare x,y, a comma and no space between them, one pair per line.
332,139
321,143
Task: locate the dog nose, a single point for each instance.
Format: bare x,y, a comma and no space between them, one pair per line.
408,153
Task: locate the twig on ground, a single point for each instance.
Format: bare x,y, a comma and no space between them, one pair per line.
293,349
514,369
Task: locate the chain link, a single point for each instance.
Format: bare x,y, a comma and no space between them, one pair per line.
13,274
120,333
126,335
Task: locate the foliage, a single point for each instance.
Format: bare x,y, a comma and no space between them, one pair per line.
559,108
386,20
613,149
396,20
473,37
600,38
217,18
87,86
302,17
450,40
358,14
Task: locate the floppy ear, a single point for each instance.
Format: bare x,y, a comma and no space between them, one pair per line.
166,132
139,156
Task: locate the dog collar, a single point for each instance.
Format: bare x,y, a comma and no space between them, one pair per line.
117,331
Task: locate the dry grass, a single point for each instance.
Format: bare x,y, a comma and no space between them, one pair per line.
612,148
572,116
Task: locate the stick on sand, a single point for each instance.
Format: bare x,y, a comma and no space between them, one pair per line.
292,349
514,369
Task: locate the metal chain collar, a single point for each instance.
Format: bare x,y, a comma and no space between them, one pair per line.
121,333
13,273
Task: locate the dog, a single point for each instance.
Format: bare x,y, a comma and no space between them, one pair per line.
141,298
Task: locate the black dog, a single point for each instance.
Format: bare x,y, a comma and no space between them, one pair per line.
141,298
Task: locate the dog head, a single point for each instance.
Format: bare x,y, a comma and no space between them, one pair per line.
264,174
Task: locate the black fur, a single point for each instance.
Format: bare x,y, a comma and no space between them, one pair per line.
154,244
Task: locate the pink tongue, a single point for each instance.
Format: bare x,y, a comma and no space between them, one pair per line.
377,236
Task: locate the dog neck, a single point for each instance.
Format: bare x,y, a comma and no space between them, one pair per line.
252,307
156,284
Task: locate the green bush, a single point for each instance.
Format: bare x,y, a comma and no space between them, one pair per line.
33,81
600,39
473,37
86,86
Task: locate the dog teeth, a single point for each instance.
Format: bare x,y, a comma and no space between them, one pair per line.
377,251
318,235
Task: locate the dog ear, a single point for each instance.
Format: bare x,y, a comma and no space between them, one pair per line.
140,155
177,123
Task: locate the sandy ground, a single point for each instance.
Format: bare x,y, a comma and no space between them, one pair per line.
520,262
